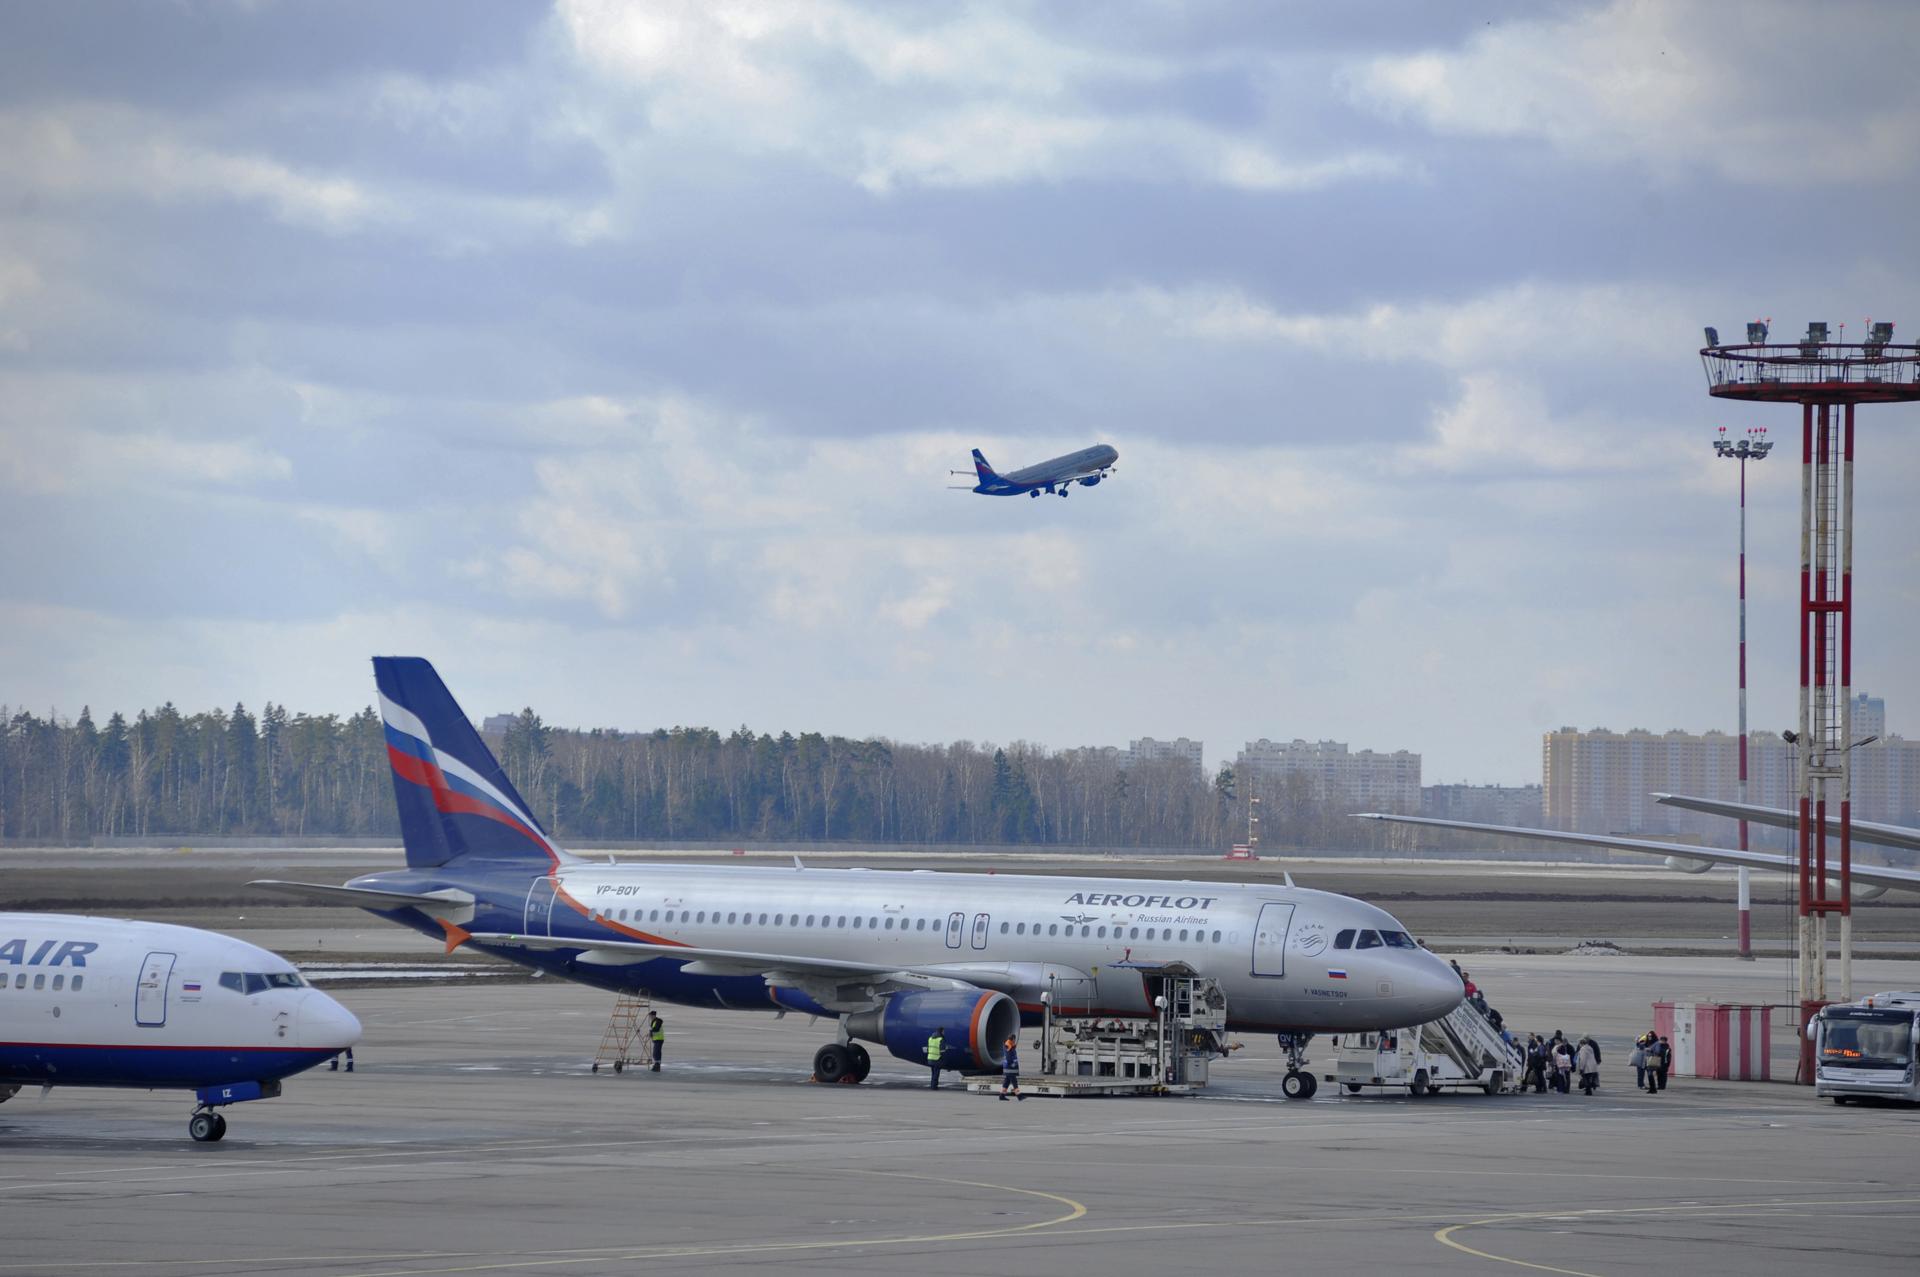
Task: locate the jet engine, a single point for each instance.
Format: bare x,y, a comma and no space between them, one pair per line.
1091,479
977,1024
1686,866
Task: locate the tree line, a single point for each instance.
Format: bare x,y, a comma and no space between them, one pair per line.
235,773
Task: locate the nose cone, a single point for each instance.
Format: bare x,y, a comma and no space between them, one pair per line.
1435,989
325,1024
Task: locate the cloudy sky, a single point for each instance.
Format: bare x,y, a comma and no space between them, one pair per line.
614,355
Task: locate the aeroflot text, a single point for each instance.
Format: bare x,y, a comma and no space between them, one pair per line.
1142,902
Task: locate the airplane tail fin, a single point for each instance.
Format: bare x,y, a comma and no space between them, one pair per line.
454,800
981,468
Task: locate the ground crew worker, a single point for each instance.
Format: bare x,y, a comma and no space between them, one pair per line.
1010,1071
936,1052
657,1033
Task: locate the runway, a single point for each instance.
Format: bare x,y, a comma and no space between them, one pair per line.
473,1139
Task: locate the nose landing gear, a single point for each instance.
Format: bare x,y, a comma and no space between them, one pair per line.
206,1126
1298,1084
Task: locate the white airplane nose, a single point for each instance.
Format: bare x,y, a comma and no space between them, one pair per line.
1437,989
324,1023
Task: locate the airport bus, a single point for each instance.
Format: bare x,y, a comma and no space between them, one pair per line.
1867,1048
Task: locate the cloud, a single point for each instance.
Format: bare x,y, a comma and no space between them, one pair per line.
49,459
1677,87
107,150
890,99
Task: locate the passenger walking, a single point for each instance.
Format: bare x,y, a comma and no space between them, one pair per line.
1662,1061
1010,1071
1562,1067
1638,1059
936,1052
657,1034
1588,1060
1537,1063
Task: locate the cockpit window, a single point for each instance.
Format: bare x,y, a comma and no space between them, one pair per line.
1344,940
1368,940
260,981
1398,940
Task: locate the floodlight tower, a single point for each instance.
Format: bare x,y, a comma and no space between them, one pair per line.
1823,377
1754,447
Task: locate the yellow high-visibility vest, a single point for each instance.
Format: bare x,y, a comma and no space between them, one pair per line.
936,1047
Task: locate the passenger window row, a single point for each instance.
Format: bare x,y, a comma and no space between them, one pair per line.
856,923
40,981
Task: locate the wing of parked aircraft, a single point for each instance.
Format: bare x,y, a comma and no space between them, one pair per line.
1679,855
1780,818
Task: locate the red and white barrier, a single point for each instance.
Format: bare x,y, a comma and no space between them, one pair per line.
1722,1040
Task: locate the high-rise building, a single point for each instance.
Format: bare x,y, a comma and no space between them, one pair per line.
1601,781
1388,781
1149,750
1489,804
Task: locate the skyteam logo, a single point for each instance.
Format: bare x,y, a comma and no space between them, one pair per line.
457,788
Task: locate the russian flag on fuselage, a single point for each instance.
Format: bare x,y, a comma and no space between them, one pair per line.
454,800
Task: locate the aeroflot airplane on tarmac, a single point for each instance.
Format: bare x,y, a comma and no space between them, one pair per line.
892,955
1085,467
105,1002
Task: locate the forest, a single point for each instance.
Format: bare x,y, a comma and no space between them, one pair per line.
217,773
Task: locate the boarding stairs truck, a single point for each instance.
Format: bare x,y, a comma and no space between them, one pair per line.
1462,1050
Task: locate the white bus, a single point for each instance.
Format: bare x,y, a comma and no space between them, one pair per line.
1867,1048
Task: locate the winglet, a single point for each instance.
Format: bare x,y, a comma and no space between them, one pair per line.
457,935
796,861
1287,877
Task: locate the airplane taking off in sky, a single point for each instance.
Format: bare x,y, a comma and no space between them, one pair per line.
1085,467
1869,881
107,1002
890,954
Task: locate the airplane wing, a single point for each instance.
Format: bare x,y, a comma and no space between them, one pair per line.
1681,855
1780,818
832,982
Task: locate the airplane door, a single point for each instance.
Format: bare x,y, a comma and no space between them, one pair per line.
539,915
956,928
980,922
1270,939
150,995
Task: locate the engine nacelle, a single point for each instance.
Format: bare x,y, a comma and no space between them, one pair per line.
977,1024
1686,866
1091,479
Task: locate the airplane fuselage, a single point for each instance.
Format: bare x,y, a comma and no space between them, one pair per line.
1087,467
1289,958
108,1002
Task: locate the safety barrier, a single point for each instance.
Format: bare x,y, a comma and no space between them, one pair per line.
1728,1041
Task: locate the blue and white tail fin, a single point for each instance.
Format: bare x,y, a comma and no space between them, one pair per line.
454,800
981,468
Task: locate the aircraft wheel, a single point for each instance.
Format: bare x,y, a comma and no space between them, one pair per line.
1494,1084
619,1066
219,1127
1297,1085
1420,1085
832,1062
1353,1088
862,1062
201,1127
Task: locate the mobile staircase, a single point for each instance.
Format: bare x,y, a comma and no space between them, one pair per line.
1461,1050
622,1031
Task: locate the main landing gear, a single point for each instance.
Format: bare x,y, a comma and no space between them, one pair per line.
1298,1084
842,1062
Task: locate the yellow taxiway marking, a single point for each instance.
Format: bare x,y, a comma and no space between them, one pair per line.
1445,1235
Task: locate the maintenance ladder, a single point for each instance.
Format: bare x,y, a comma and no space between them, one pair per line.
622,1031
